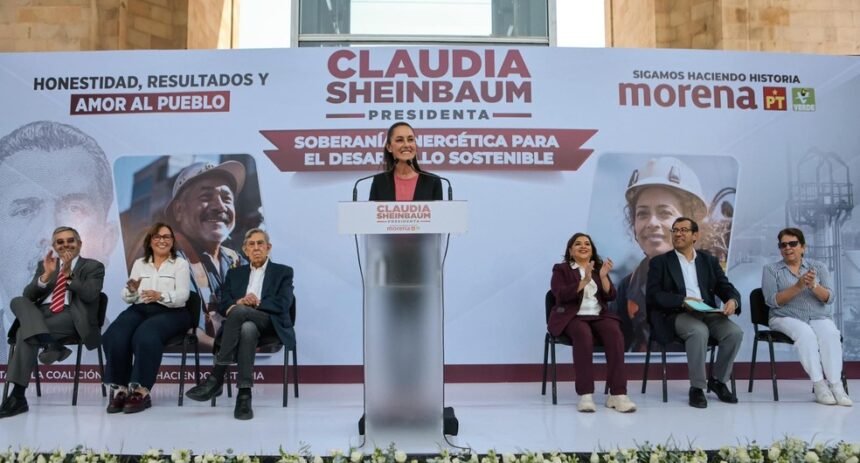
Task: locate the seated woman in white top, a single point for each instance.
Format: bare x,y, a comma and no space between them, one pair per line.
157,291
582,289
800,294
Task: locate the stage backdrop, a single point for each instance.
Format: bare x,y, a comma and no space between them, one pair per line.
542,143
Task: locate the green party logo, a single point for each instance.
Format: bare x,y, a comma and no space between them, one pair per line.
803,99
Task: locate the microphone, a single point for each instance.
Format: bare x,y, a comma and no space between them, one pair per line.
429,174
355,187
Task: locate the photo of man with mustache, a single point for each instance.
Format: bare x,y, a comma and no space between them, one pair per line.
203,213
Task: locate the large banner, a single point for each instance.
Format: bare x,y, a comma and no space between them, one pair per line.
541,142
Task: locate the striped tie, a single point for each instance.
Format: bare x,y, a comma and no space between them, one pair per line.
58,296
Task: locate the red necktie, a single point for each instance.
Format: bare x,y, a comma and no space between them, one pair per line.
58,296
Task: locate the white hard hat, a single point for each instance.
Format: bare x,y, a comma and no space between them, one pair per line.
671,173
233,170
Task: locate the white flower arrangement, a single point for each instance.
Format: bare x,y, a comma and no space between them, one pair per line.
787,450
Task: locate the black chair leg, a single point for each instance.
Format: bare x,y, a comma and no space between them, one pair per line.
77,374
196,360
711,366
6,381
182,372
773,372
286,376
752,366
545,360
554,375
102,370
665,379
645,369
295,374
38,380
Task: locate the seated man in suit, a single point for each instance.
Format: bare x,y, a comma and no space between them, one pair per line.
61,300
255,299
685,274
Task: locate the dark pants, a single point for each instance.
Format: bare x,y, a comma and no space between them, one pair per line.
241,331
581,331
35,320
134,342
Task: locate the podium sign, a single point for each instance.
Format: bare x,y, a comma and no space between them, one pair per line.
403,317
402,217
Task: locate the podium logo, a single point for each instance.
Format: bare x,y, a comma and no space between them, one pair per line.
402,214
803,99
775,99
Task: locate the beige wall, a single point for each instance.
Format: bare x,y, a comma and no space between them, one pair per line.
813,26
74,25
58,25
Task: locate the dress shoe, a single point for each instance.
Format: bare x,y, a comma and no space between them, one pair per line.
722,391
697,398
206,391
54,353
117,403
243,409
137,402
13,406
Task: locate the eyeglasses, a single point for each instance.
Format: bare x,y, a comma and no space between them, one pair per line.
162,237
682,230
61,241
785,244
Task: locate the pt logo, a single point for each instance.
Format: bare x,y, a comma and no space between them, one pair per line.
803,99
775,99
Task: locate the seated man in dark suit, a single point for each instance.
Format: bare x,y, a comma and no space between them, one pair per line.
61,300
255,299
684,274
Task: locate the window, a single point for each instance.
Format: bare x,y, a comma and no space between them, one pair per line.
386,22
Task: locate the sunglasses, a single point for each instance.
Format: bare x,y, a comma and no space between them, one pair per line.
61,241
786,244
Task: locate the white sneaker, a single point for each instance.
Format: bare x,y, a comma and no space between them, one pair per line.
621,403
586,404
823,395
840,395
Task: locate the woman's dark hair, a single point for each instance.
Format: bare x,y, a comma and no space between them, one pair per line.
598,262
791,231
147,241
388,157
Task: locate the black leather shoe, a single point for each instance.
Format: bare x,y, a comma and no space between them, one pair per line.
697,398
243,409
136,403
206,391
117,403
13,406
722,391
53,353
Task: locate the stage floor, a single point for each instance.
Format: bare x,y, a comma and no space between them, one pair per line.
509,417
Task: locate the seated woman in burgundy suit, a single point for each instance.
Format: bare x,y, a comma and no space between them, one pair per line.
582,289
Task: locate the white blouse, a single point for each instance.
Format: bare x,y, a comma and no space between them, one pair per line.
589,304
172,280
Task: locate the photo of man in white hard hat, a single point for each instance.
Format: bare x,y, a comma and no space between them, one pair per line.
209,200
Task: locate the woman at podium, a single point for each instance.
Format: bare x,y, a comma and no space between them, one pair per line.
403,179
582,290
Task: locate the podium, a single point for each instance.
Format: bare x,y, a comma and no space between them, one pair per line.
403,319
